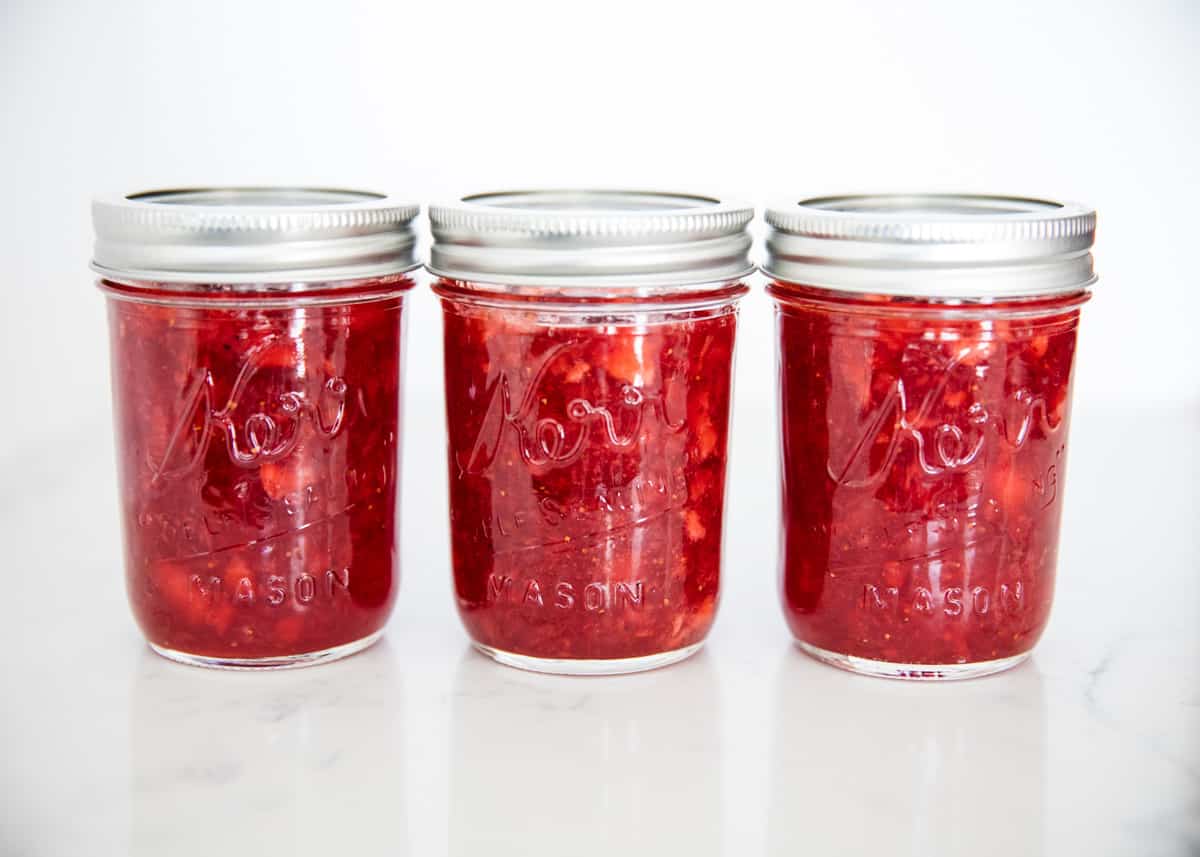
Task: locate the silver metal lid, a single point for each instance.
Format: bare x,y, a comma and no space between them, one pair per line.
590,237
253,235
933,245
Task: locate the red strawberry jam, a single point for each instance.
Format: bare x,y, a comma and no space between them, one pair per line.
587,471
923,454
258,447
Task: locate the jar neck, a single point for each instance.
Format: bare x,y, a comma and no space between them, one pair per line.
797,295
591,299
233,295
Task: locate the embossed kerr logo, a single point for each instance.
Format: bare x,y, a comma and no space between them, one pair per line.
262,436
557,441
950,446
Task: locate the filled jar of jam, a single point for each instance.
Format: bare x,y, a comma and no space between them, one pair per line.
589,341
925,352
256,346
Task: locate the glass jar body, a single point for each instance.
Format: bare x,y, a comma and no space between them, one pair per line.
587,462
258,441
923,448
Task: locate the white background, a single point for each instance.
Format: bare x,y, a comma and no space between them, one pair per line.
758,101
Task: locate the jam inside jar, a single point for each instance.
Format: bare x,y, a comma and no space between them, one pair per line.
923,456
258,450
924,438
256,352
587,402
587,474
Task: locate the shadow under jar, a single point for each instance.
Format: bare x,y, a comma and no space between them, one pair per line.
925,352
256,343
589,341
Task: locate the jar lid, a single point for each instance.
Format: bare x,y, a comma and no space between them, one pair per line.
949,246
253,235
590,237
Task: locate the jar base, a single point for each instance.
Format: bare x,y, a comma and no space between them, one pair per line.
581,666
911,672
282,662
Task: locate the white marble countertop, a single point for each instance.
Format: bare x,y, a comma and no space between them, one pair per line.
419,746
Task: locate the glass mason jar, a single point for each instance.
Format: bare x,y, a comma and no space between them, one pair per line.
925,354
256,343
589,341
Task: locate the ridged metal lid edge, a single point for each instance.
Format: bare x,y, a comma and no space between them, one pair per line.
253,235
591,237
933,245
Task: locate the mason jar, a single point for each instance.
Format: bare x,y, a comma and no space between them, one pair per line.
926,347
589,339
256,352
